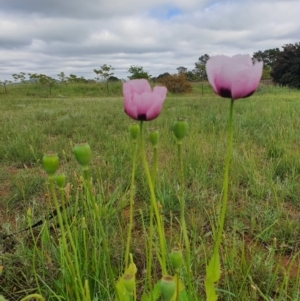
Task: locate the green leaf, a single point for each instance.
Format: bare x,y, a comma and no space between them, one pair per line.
156,291
213,270
183,296
210,291
145,297
213,274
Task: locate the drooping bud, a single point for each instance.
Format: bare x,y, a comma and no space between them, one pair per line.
134,131
60,180
82,152
176,258
180,129
129,282
167,287
153,137
50,163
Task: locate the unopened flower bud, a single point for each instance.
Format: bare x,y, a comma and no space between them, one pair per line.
167,287
153,137
176,258
83,223
129,282
60,180
50,163
180,128
82,154
134,131
29,212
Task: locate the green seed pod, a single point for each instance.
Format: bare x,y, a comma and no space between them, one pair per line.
180,128
50,163
82,152
167,287
129,282
134,131
153,137
83,224
60,180
176,258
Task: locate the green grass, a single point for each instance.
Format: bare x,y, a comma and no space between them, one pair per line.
260,250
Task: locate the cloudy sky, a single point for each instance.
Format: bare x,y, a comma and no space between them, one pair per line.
77,36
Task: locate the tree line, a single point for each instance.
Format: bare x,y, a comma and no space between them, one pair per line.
281,66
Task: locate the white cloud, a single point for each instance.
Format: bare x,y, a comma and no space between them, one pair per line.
160,35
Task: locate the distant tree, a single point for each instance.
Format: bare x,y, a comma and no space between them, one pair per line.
104,72
267,56
200,67
44,80
82,80
113,79
4,84
33,77
62,77
138,72
20,77
286,68
72,78
181,70
161,76
266,73
192,76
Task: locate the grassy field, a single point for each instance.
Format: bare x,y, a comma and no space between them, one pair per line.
261,244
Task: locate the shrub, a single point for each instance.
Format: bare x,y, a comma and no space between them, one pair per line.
286,68
176,83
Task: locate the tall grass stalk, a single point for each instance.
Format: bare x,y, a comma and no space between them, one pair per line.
75,271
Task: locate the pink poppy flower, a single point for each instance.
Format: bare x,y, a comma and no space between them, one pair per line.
140,102
233,77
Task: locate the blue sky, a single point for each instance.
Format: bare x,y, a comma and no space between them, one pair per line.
160,35
164,12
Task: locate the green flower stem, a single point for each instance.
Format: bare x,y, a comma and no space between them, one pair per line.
154,205
213,270
75,274
131,202
150,243
149,255
225,182
182,220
